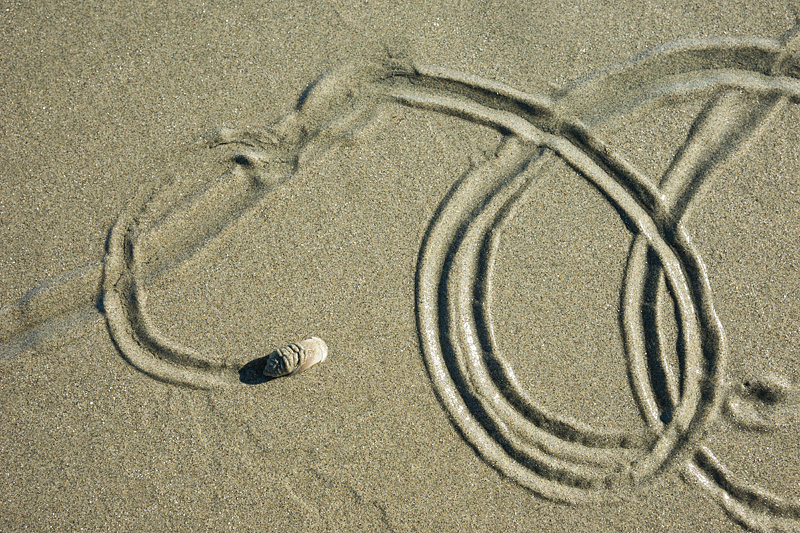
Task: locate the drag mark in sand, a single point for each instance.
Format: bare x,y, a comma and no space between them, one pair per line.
556,457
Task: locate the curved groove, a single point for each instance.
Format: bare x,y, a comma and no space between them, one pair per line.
752,506
557,457
704,358
686,425
452,385
613,91
486,230
714,138
631,305
461,281
130,328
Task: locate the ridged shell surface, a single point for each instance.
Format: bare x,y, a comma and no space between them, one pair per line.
296,357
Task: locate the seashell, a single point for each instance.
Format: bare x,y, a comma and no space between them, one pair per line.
296,357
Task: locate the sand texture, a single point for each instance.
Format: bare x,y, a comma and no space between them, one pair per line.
430,267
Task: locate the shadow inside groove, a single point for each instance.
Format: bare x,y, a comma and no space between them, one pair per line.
658,378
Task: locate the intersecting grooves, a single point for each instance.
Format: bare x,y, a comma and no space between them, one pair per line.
472,379
723,130
557,457
445,295
157,355
714,138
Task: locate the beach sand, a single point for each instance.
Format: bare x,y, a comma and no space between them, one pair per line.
102,103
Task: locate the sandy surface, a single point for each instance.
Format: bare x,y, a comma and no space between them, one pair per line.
98,103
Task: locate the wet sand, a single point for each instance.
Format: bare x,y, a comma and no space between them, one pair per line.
351,232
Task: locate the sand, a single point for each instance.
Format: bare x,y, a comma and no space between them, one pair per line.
157,263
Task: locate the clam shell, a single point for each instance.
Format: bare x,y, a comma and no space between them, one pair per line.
296,357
